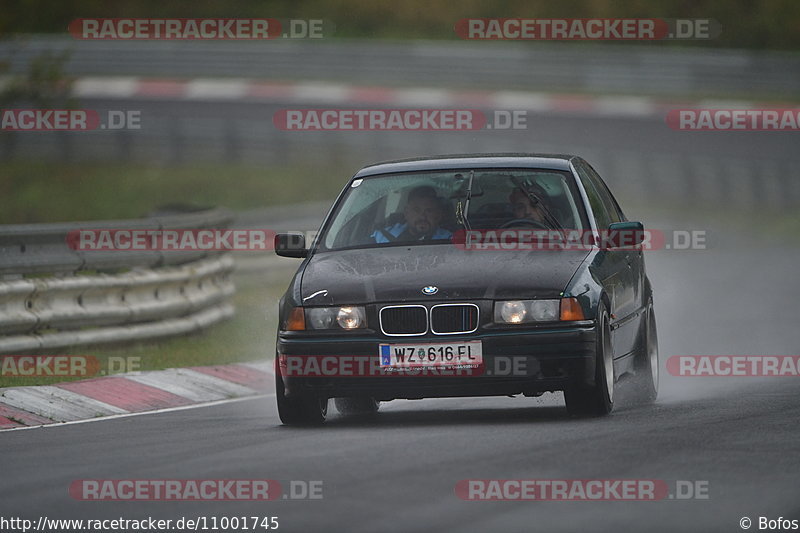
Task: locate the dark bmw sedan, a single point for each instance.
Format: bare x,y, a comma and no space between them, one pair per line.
473,275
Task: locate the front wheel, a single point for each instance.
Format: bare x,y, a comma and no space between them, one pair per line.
596,399
302,410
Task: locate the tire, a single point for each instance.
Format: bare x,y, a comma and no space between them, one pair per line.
360,406
596,399
645,382
303,410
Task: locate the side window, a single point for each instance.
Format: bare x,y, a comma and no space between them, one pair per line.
601,215
614,212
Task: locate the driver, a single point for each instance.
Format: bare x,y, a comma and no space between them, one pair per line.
423,213
522,206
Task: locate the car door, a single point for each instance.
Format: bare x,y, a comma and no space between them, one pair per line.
635,255
613,267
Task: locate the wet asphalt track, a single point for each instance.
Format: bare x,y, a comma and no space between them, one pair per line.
398,471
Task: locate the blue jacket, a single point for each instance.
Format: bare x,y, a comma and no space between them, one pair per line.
400,227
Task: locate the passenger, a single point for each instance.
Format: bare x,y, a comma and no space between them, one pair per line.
524,208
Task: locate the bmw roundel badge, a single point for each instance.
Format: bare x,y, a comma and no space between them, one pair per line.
430,290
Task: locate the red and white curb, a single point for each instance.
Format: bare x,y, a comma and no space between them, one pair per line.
327,93
135,392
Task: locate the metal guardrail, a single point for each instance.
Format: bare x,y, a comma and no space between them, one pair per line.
85,299
537,66
42,248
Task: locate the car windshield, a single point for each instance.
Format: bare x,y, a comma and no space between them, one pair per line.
429,207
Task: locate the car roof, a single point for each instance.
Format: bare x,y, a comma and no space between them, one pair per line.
468,161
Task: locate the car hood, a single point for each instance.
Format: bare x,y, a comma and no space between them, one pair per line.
398,274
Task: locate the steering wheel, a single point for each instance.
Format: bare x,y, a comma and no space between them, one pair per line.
524,222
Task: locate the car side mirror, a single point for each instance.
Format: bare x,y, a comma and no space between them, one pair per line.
625,234
290,245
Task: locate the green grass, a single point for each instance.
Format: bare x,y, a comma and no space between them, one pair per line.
248,336
33,191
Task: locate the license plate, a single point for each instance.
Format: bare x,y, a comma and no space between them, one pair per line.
437,354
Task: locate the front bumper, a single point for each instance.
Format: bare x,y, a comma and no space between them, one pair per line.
529,361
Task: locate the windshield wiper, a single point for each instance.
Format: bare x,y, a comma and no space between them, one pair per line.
535,200
462,214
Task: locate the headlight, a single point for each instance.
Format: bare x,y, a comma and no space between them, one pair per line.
348,317
544,310
523,311
512,312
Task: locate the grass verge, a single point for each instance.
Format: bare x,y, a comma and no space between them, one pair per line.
34,191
